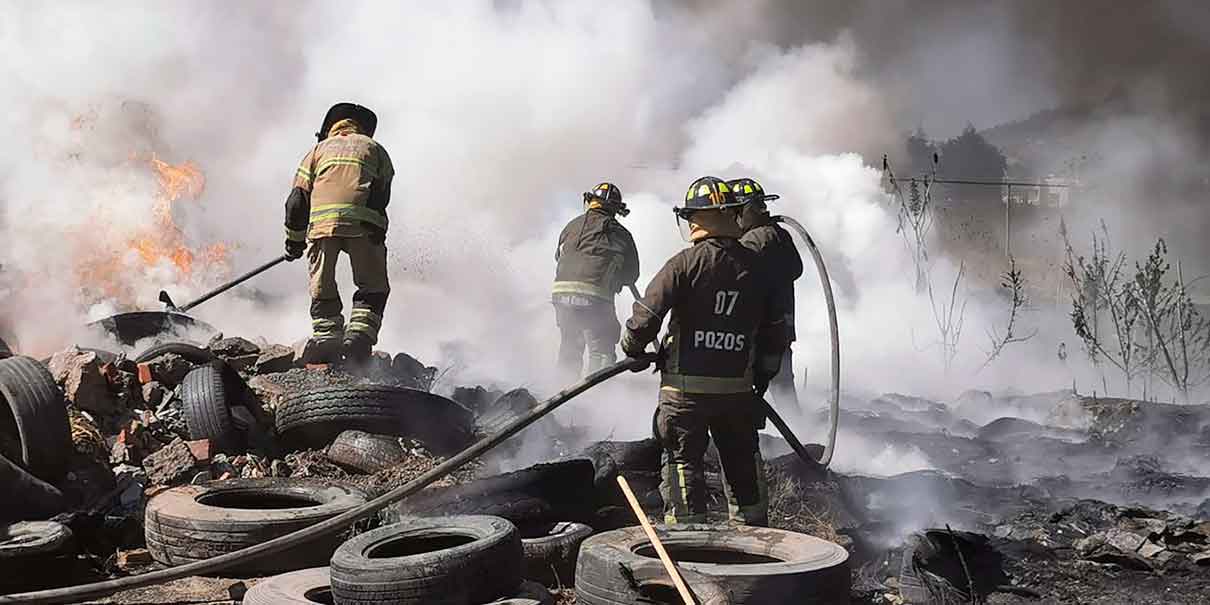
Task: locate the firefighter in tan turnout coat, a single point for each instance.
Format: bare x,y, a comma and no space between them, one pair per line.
723,346
338,204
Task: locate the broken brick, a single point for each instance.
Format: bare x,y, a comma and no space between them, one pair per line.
168,369
234,347
138,557
275,359
79,373
200,449
173,464
145,376
153,394
242,363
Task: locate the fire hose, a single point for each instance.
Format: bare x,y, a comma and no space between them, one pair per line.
73,594
826,457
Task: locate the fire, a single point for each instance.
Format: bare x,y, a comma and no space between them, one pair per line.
158,244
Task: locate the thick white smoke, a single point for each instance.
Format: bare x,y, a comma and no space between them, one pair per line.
497,116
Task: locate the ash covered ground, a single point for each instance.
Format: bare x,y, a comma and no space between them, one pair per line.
1054,497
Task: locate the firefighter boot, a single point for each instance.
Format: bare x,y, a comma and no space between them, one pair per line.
318,352
357,348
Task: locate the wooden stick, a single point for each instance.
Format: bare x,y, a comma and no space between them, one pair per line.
655,541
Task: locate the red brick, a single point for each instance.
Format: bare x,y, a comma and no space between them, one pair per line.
200,449
145,373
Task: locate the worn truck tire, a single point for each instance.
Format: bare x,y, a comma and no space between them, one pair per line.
646,582
365,452
206,401
191,353
543,493
33,539
314,418
38,416
304,586
27,498
550,551
445,561
195,522
755,564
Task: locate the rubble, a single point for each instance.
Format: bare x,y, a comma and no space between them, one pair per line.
274,359
234,347
167,369
79,373
170,465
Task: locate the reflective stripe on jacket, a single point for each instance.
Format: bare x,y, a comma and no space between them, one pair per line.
348,179
596,256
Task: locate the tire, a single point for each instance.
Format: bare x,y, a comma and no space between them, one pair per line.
206,402
755,564
550,555
543,493
39,413
531,593
365,453
297,587
314,418
33,539
195,522
191,353
446,561
647,582
5,350
27,498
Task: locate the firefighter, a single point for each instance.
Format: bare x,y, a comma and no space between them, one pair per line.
773,243
722,348
338,204
596,257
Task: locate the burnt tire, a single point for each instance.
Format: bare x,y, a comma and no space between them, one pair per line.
196,522
755,564
206,401
530,593
451,560
364,452
543,493
314,418
550,552
27,498
33,539
191,353
38,414
646,582
297,587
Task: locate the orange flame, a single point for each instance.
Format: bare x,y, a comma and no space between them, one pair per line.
161,242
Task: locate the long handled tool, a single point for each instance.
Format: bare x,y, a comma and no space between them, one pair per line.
677,580
76,594
791,438
167,300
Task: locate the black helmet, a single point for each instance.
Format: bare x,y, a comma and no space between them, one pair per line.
708,193
349,111
748,190
609,195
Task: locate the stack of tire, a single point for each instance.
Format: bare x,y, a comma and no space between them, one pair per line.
35,443
456,560
721,565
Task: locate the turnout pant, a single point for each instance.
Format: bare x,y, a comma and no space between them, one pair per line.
586,323
684,424
369,262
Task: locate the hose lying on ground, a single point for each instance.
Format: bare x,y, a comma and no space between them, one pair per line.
73,594
826,458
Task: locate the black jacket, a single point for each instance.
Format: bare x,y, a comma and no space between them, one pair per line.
779,254
725,326
596,257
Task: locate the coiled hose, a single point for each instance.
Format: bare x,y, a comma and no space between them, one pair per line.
826,457
74,594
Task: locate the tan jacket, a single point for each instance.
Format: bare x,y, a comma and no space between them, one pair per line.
348,178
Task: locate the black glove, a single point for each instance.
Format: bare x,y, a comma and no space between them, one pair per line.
295,249
760,384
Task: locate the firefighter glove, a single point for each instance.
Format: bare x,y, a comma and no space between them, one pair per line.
760,383
295,249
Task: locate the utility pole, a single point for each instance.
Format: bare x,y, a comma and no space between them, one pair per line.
1008,221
